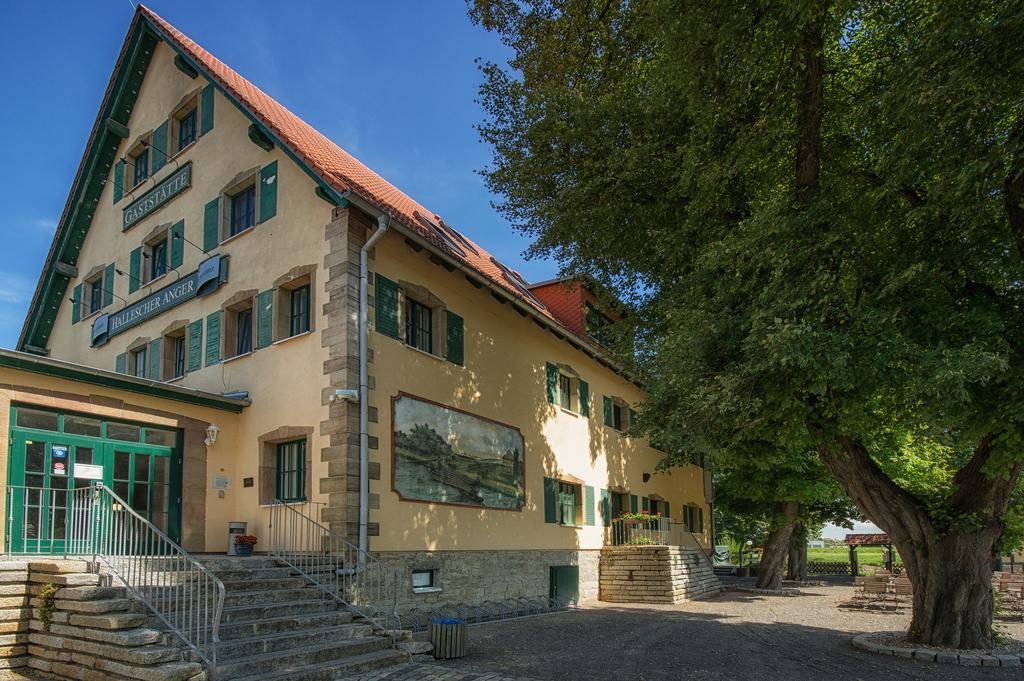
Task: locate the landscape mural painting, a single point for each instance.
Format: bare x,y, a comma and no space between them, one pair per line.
448,456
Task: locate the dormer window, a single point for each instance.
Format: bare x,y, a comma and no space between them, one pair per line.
598,324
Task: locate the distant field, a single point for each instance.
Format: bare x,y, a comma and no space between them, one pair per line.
866,555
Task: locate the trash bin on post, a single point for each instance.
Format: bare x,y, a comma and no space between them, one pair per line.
448,637
235,529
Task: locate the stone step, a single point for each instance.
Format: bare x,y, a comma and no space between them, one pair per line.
258,584
266,596
274,625
217,563
257,611
119,637
65,579
260,573
297,657
51,646
234,649
332,670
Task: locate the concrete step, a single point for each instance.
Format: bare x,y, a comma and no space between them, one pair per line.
269,626
234,649
336,669
297,657
257,612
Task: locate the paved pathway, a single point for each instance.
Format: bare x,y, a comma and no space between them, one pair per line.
732,637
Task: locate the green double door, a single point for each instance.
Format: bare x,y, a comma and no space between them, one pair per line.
49,474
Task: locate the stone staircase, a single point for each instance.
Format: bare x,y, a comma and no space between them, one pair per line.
277,626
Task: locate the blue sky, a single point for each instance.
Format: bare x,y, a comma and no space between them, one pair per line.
392,82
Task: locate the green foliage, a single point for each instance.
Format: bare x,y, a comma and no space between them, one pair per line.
47,604
651,146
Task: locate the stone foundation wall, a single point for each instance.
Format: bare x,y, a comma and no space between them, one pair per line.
654,574
475,576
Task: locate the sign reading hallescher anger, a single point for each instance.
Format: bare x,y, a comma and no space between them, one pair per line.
211,274
173,184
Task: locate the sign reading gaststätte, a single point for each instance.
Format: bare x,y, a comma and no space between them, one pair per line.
172,185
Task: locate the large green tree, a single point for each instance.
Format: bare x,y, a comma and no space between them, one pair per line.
784,491
817,208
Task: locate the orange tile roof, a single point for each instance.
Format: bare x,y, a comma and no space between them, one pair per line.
342,170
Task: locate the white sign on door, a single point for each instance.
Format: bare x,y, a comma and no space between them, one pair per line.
88,471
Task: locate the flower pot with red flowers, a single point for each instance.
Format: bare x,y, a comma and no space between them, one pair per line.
244,544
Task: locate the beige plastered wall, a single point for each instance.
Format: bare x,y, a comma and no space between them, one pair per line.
285,380
504,379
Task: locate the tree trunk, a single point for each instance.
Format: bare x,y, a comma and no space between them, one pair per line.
769,572
953,599
796,568
950,571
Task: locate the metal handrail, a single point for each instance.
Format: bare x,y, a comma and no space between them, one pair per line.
650,531
94,521
352,577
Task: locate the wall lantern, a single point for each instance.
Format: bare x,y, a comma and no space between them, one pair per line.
211,434
647,477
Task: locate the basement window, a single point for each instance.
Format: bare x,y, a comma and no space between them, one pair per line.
424,581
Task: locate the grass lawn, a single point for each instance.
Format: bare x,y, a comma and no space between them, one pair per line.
866,555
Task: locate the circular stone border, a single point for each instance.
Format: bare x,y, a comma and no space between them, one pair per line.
866,642
767,592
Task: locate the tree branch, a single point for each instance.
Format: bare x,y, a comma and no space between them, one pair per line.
977,491
809,108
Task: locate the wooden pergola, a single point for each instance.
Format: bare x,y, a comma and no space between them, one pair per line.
853,540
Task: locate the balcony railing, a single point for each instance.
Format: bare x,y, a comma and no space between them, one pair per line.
644,530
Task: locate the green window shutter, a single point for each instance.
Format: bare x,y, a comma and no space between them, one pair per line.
668,510
632,503
211,225
108,285
155,360
177,245
584,398
213,339
588,506
268,191
134,270
552,382
645,504
160,147
632,419
455,338
550,500
206,110
118,180
195,345
121,363
385,298
700,520
608,420
606,508
76,304
265,318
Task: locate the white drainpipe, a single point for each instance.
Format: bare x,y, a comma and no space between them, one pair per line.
383,221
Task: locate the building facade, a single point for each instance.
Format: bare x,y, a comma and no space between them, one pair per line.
211,246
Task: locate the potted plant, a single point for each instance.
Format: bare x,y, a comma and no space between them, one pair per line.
244,544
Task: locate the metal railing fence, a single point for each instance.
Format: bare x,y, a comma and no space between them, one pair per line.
95,523
353,578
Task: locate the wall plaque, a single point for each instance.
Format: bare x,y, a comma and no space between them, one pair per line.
171,186
211,274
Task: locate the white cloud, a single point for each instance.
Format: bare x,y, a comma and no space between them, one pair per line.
836,532
15,289
45,225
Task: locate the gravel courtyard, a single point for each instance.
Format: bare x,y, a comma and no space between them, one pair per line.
731,636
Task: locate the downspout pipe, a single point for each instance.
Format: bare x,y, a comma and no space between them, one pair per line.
383,222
